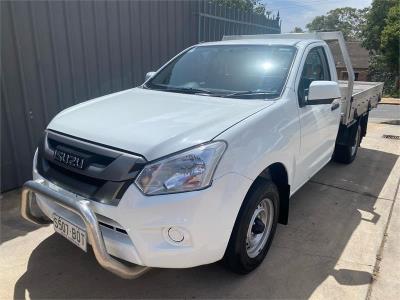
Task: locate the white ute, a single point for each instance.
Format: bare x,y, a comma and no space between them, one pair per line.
198,164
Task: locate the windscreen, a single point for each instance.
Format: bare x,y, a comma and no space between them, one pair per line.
242,71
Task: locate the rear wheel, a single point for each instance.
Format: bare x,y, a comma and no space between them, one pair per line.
254,229
346,154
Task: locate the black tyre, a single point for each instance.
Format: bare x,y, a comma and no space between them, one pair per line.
346,154
254,229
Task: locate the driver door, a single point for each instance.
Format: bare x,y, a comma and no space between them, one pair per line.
319,123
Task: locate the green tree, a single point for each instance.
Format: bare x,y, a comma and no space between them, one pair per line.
350,21
378,71
297,30
381,36
376,22
256,6
390,38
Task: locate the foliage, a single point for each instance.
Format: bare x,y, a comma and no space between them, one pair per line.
376,23
378,71
390,38
297,30
350,21
255,6
382,37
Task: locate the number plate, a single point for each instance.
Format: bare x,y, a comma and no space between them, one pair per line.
70,231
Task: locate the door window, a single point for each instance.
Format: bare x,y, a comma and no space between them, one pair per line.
315,68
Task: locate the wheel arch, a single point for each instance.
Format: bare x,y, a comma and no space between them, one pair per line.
278,174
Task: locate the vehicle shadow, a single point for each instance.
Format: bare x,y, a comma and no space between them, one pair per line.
12,224
312,249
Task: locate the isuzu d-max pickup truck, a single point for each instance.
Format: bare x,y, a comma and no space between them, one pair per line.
198,164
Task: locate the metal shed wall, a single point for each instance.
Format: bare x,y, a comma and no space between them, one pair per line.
55,54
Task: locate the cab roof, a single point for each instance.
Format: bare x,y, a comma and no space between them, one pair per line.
261,41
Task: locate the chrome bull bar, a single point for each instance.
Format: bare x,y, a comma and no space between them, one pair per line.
80,207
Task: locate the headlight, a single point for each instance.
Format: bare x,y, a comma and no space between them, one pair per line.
186,171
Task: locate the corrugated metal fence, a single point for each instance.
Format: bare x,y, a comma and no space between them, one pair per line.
215,21
55,54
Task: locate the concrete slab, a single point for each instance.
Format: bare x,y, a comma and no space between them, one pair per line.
387,280
332,222
368,174
374,139
12,224
285,274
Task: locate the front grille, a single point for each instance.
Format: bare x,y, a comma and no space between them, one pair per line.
97,159
106,175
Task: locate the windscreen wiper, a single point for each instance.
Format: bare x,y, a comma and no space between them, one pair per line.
251,93
187,90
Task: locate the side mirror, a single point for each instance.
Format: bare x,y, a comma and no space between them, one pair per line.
149,75
323,90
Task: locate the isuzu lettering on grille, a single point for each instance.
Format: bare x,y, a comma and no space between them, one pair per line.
69,159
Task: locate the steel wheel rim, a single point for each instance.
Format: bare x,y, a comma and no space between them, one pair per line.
354,148
255,242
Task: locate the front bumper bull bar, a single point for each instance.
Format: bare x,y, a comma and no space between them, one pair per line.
80,207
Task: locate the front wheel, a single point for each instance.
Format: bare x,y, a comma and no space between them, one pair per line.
254,229
346,154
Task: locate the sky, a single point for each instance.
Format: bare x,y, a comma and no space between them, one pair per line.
299,13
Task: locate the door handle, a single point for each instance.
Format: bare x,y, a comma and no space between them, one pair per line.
335,105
